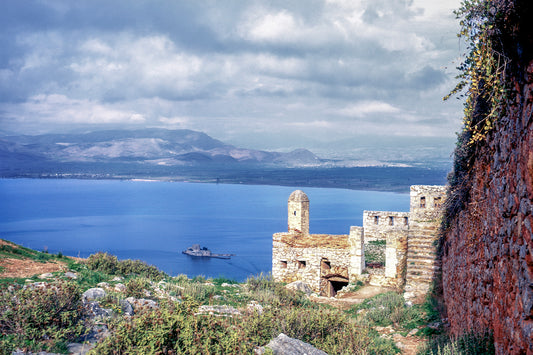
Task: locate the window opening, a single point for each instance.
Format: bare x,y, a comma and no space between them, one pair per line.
422,202
301,264
283,264
376,219
391,220
406,220
437,202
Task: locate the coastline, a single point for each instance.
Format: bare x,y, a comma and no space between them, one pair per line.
389,179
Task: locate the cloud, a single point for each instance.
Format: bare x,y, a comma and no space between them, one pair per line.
365,108
60,110
231,69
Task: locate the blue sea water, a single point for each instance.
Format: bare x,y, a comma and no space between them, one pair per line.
155,221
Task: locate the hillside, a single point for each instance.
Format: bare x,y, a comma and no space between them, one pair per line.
147,146
127,306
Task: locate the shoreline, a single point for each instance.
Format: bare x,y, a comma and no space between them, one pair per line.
385,179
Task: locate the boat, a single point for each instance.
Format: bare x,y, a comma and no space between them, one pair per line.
196,250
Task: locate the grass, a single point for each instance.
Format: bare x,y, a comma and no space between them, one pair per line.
375,251
174,328
470,343
11,250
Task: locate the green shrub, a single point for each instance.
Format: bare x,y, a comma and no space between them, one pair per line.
103,262
471,343
389,309
198,291
109,264
40,318
136,287
221,280
137,267
199,279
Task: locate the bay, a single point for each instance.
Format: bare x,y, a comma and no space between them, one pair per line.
155,221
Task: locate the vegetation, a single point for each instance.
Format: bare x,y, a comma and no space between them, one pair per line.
49,315
471,343
484,80
109,264
40,317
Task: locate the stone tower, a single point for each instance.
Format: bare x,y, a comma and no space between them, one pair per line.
298,213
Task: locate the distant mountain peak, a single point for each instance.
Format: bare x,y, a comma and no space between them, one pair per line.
149,146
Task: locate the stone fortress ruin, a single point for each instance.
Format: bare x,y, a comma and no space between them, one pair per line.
400,247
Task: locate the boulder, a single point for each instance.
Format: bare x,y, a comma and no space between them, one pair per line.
253,306
94,294
141,302
46,275
284,345
120,287
71,275
300,286
126,307
95,311
220,310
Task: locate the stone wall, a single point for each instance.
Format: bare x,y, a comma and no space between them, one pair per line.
488,250
303,261
326,261
379,224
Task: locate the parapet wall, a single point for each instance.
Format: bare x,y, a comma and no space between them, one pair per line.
378,224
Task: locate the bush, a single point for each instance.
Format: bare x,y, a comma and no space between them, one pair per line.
136,287
103,262
40,317
471,343
109,264
389,309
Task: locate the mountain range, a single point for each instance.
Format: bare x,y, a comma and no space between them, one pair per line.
158,147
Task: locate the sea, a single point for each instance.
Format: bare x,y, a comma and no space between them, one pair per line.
155,221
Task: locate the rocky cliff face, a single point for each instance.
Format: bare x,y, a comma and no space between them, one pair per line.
488,248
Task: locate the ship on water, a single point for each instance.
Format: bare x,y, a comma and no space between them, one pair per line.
196,250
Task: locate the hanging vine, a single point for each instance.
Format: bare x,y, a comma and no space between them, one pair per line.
482,83
482,72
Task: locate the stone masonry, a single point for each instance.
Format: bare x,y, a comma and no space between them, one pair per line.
328,262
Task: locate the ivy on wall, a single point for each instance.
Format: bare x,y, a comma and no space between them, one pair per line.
482,72
483,86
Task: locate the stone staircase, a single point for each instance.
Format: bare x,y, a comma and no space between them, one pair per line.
422,264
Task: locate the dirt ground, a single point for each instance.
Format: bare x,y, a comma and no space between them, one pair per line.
27,268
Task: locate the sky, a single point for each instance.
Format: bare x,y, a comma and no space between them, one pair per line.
259,74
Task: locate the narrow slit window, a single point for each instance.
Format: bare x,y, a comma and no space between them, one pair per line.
301,264
294,213
422,202
391,220
376,219
406,220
